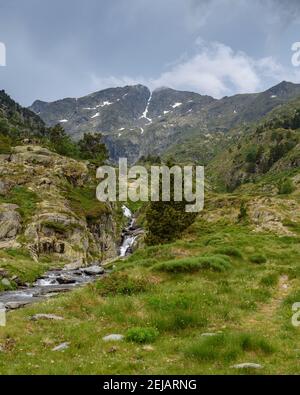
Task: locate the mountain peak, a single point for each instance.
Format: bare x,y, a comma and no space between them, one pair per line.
284,87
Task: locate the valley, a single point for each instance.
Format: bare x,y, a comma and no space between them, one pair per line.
208,294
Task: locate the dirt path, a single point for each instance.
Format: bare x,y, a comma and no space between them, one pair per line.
267,311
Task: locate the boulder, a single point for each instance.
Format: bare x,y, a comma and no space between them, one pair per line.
247,365
61,347
74,265
51,317
93,270
65,280
113,338
5,282
16,305
10,221
4,188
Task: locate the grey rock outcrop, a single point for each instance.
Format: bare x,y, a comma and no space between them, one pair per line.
10,221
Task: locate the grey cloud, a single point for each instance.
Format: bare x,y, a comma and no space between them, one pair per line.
64,48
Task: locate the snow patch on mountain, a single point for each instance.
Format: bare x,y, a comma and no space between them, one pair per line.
104,104
145,113
176,105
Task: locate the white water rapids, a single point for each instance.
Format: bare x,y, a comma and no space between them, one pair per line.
128,236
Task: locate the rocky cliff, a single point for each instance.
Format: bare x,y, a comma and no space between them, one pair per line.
48,206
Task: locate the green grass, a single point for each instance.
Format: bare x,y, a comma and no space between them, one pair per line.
228,347
258,258
24,198
230,251
84,202
59,227
121,284
142,335
270,279
243,305
17,262
189,265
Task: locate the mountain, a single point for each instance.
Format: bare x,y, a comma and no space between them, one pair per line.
15,117
268,148
136,122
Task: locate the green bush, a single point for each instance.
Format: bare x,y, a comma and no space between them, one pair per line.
270,280
142,335
189,265
286,187
121,284
243,214
230,251
258,258
5,144
227,347
25,199
84,202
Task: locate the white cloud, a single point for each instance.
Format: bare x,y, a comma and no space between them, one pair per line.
216,70
98,83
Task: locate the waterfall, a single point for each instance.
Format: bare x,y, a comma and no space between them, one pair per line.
128,236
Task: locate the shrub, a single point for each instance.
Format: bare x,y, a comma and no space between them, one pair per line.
258,258
142,335
189,265
251,154
270,280
25,199
57,227
230,251
286,187
5,144
243,214
84,202
227,347
121,284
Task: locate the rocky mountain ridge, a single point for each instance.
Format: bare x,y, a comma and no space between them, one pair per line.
136,121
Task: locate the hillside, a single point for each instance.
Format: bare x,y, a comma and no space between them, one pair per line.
136,122
16,123
218,297
51,218
270,147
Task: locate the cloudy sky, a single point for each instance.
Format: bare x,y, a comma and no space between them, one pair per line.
69,48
